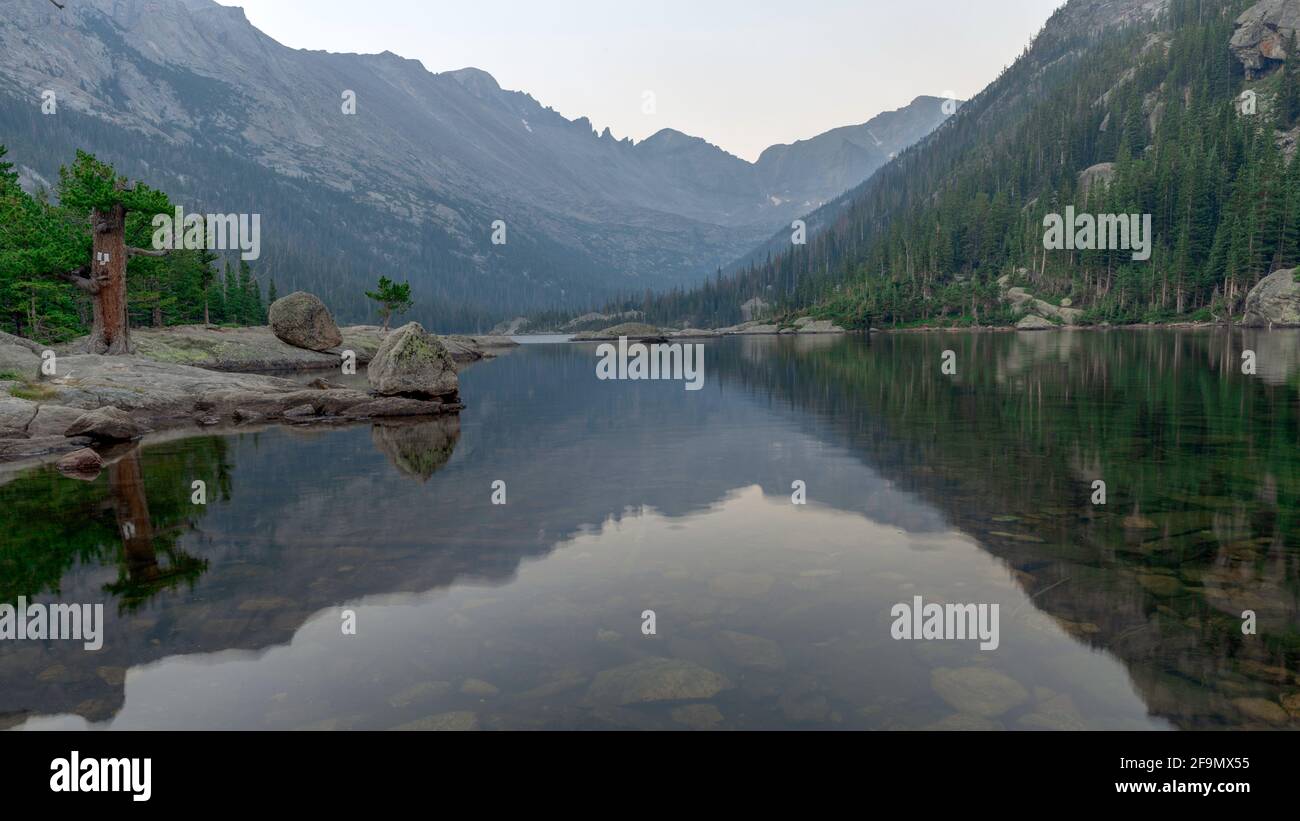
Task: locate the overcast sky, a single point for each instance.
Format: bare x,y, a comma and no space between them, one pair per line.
743,74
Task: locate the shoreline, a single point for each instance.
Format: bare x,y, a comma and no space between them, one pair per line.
239,384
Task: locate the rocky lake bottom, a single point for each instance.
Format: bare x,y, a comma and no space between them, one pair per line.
631,501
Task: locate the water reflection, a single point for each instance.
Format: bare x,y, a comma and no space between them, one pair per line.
140,574
419,447
625,497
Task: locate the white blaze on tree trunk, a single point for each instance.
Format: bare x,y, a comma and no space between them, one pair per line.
111,332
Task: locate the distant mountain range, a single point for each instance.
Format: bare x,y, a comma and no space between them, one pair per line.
189,96
1183,111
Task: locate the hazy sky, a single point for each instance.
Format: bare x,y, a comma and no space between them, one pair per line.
743,74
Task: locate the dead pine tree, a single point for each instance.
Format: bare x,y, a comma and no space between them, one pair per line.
116,210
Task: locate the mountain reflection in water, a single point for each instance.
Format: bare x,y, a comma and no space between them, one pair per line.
627,497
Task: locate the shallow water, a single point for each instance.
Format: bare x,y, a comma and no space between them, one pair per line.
627,497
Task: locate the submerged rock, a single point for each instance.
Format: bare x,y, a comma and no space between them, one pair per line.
697,716
1055,713
745,650
478,687
419,693
978,690
1274,302
656,679
413,362
302,320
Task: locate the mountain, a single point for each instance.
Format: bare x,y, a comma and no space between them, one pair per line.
192,98
843,157
1185,112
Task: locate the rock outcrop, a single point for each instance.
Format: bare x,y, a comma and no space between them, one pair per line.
753,308
808,325
413,362
107,424
257,349
637,331
1034,323
302,320
1101,173
19,357
1274,302
1027,302
514,326
1264,34
164,396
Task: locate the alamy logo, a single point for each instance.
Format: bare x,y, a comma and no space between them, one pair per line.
212,232
129,775
58,622
946,622
1103,232
656,361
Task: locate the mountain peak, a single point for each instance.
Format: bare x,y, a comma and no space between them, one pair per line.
475,80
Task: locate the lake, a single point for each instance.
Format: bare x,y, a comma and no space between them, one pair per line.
650,567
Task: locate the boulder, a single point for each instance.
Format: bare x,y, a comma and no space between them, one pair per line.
107,424
413,362
654,680
303,321
1263,34
1274,302
1034,323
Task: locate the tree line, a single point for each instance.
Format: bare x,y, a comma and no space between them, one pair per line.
1163,105
45,247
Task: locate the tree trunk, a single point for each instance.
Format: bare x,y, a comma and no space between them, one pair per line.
131,506
110,333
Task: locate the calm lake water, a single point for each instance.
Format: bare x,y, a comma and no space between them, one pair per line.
626,497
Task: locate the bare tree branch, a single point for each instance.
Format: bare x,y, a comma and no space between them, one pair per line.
90,285
141,252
